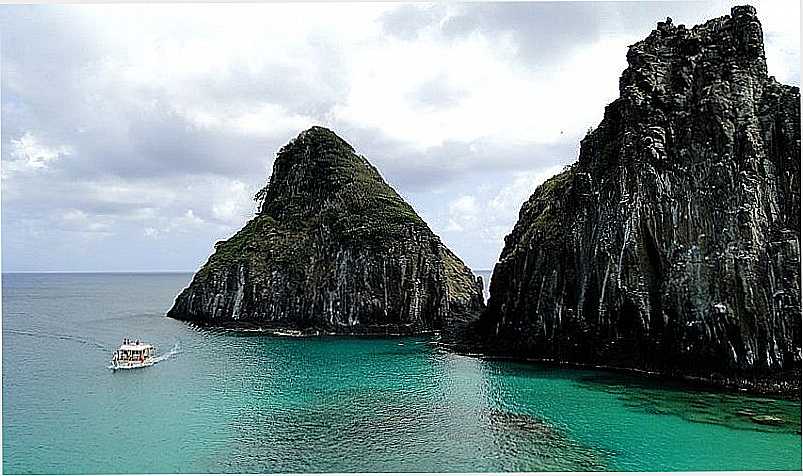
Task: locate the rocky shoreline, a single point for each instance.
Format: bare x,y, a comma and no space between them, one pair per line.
785,384
257,328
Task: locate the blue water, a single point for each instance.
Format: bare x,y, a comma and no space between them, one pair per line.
229,402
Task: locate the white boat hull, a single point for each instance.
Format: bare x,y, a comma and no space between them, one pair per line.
131,365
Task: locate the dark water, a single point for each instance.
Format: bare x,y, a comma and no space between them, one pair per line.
246,403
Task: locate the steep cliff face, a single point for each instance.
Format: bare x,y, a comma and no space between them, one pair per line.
673,243
333,248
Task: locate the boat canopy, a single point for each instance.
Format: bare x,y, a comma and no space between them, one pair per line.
135,347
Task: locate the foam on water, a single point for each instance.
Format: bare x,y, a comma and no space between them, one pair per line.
174,351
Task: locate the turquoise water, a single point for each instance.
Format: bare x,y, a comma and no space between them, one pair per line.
247,403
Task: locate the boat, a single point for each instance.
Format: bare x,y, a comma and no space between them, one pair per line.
133,355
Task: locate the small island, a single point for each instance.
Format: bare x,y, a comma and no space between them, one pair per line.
333,250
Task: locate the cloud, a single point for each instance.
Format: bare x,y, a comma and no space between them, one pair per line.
145,130
140,224
520,189
463,214
150,99
415,169
541,31
436,93
490,213
407,21
78,220
29,154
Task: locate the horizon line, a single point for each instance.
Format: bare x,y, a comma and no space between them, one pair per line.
147,272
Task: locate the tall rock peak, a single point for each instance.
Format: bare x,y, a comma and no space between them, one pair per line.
673,244
333,249
316,168
662,63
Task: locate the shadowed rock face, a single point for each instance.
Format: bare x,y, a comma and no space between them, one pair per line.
333,248
673,243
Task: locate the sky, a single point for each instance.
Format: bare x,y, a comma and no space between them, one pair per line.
135,136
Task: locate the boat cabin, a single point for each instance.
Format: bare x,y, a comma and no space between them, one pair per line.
134,353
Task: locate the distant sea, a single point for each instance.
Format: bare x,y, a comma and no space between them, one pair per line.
231,402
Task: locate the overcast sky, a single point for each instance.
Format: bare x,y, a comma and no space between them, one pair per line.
134,137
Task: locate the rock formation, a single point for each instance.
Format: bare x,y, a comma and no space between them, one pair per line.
673,243
333,249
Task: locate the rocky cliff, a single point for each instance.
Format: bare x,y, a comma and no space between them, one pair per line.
333,248
673,243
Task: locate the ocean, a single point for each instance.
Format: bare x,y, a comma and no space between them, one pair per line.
228,402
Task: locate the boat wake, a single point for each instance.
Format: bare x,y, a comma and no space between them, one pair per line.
174,351
43,335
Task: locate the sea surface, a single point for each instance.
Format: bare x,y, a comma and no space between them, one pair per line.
233,402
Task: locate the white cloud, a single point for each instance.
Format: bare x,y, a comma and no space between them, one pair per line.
482,219
189,219
781,25
507,202
233,204
73,220
522,105
259,120
463,213
30,154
